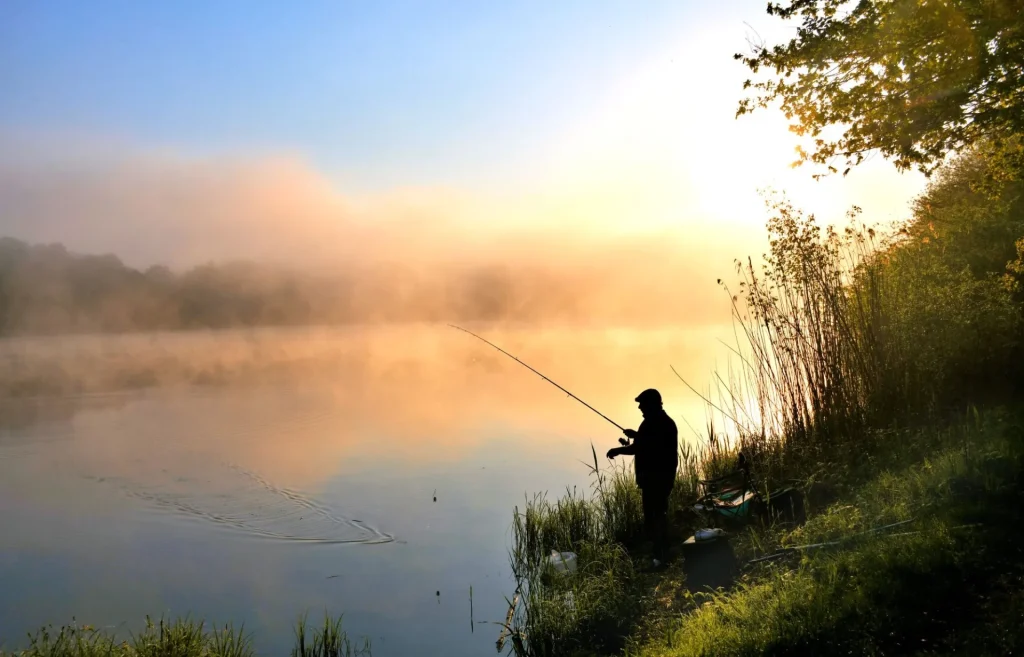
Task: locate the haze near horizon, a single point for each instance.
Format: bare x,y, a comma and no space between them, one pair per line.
588,143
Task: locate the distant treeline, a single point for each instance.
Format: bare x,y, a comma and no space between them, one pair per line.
45,289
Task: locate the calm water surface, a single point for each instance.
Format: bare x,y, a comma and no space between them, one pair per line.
254,476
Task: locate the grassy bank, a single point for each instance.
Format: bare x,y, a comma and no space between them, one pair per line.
869,370
955,495
185,638
947,580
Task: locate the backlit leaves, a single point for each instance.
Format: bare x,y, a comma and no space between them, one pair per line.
911,79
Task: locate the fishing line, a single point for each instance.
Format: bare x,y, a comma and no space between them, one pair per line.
540,375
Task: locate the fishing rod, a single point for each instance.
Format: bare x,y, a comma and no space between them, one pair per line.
540,375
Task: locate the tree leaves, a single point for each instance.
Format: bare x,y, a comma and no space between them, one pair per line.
911,79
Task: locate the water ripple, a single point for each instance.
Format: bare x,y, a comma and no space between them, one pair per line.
249,503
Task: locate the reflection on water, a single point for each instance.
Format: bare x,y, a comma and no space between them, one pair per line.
301,473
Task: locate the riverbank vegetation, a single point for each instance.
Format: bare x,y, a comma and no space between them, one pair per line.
185,637
877,371
943,577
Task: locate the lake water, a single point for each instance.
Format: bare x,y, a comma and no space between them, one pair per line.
251,476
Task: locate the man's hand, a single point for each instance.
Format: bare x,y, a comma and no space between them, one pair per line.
630,433
613,452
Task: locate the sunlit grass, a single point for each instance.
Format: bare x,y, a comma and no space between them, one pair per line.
881,592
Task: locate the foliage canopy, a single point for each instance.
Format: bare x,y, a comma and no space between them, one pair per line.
911,79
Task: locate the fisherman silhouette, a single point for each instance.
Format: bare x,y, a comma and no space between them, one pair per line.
655,451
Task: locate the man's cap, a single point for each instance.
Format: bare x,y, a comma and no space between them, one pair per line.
650,395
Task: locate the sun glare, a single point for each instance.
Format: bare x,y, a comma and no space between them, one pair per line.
664,151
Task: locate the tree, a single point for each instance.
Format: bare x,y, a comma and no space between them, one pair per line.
910,79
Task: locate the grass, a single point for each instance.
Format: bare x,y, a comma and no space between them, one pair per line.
184,637
929,586
327,640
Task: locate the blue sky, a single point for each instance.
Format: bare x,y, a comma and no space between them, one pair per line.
374,93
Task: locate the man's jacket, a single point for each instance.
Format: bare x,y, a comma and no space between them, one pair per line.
655,451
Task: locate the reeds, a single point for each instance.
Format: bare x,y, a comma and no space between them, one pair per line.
184,637
326,640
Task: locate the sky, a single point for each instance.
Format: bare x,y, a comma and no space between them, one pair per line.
187,131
